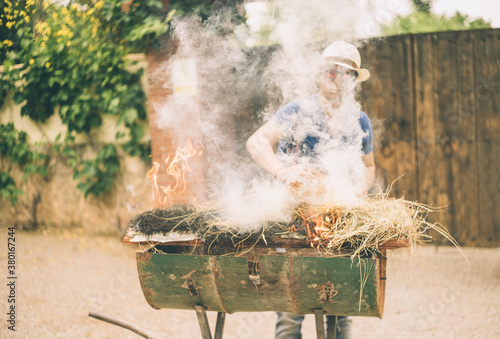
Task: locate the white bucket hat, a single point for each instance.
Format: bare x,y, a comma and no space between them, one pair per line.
346,55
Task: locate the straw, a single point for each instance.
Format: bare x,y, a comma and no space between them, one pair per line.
356,230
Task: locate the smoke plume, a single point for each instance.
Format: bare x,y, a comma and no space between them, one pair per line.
239,88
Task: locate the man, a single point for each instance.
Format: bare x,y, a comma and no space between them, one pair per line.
309,132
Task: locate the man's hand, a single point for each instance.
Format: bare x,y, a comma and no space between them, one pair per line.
297,174
292,174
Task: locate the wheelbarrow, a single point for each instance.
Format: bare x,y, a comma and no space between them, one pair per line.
290,278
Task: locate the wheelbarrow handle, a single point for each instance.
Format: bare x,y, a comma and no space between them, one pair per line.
123,324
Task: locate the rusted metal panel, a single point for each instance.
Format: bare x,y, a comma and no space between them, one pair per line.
178,281
339,286
275,289
233,285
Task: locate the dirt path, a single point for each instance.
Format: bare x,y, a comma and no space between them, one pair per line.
63,276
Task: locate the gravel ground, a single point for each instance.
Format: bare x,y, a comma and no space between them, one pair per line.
61,276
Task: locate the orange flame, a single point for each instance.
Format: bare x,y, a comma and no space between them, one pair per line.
152,176
320,228
176,168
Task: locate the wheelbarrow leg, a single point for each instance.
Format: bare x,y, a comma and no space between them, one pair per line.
201,314
219,325
203,321
320,323
331,326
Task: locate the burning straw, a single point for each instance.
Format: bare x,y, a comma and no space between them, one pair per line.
331,229
369,225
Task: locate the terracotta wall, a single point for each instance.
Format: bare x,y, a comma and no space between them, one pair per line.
167,140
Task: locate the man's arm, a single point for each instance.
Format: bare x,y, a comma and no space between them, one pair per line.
261,147
370,170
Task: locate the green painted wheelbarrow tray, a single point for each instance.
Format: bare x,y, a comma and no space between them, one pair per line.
339,286
285,279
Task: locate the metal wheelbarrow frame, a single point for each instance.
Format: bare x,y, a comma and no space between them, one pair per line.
296,279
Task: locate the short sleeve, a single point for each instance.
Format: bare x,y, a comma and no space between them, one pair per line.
364,121
286,115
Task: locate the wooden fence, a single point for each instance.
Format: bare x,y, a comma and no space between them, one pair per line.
434,100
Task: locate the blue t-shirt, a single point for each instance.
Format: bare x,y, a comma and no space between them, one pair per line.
306,128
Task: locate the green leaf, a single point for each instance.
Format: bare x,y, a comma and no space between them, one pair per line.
128,117
84,187
8,188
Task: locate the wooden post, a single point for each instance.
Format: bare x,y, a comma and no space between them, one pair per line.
487,96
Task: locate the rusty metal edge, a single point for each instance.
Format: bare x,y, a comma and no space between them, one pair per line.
286,242
292,286
195,243
394,244
381,277
215,272
143,257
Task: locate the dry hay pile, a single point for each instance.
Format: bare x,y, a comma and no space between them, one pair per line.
178,218
208,225
367,226
360,230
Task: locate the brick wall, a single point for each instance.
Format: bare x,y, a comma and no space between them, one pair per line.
163,142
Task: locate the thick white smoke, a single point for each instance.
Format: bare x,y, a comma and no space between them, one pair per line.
226,75
345,170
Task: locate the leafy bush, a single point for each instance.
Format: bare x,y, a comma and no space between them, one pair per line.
74,63
13,145
8,188
14,150
421,20
98,173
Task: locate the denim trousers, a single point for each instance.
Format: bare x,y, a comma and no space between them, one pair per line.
288,326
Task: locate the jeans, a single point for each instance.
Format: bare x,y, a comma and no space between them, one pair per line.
288,326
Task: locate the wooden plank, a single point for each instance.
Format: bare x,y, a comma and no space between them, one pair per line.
465,165
425,122
368,59
402,89
382,109
371,105
445,117
367,52
488,106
